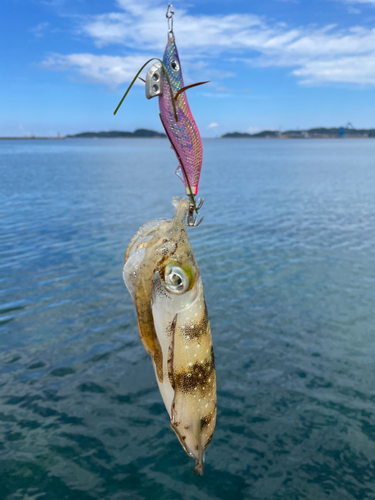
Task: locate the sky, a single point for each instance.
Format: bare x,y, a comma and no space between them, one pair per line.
274,64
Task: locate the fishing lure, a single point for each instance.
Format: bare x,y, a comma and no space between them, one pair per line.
164,79
163,278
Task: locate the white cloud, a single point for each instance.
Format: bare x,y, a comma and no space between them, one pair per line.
213,125
315,55
107,70
345,69
324,56
40,29
372,2
353,10
145,27
52,3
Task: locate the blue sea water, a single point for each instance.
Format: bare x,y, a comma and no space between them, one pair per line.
287,257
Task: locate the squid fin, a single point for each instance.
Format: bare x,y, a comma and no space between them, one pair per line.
199,467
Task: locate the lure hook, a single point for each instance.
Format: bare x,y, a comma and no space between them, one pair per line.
169,15
191,220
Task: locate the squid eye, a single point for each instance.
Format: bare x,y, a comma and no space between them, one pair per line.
174,65
175,279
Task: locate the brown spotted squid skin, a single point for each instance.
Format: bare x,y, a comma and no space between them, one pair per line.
193,378
175,329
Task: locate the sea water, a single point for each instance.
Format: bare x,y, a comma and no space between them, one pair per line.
287,257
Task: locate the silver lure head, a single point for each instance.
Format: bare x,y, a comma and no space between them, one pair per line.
154,80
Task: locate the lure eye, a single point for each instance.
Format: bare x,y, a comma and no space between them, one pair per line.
174,65
175,279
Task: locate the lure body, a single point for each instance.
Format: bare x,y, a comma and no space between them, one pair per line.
183,134
163,278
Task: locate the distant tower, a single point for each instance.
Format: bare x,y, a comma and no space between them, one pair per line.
58,135
343,130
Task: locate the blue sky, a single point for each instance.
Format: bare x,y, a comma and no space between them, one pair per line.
274,64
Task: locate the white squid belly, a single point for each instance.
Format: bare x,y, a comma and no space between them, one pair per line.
189,382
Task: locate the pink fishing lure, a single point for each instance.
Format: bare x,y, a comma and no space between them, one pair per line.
183,134
164,79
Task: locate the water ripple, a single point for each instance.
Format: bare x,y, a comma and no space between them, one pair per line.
286,253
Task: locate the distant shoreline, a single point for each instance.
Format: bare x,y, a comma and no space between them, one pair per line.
140,133
315,133
66,137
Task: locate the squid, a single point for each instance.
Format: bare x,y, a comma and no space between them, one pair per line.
163,278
